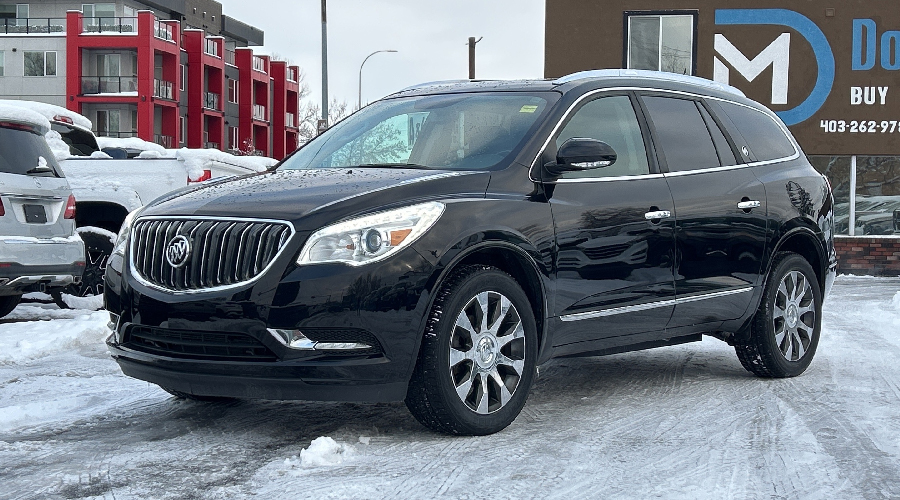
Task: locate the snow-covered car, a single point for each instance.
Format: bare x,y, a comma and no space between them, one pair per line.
38,246
111,177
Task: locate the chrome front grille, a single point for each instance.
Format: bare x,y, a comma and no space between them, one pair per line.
222,252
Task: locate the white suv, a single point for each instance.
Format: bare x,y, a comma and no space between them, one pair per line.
38,245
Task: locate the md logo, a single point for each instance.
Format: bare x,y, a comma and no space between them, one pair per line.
776,55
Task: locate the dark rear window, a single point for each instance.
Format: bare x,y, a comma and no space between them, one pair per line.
764,136
80,143
21,150
681,134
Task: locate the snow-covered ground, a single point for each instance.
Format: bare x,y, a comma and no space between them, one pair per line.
680,422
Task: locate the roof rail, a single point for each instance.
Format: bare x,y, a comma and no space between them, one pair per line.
432,84
650,75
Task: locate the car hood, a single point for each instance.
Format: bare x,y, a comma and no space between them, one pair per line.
315,197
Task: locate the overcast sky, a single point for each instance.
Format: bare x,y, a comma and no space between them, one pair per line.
430,37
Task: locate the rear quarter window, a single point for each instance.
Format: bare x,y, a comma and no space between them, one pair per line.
21,150
765,138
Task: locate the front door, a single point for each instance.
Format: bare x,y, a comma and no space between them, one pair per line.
614,266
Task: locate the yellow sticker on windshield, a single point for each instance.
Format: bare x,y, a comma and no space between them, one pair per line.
528,108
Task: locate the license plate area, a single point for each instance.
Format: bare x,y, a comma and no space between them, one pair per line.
35,214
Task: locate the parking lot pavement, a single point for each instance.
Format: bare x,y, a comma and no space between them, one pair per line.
678,422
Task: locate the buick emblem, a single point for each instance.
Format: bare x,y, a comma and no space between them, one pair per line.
177,251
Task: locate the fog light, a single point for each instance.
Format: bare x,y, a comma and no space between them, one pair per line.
293,339
340,346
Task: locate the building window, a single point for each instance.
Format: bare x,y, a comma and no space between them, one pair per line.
183,77
233,138
663,42
134,121
108,123
40,63
233,91
2,62
22,14
183,130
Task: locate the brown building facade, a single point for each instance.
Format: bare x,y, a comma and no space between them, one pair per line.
830,70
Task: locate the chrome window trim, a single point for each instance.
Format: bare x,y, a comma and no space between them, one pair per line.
140,279
651,305
594,92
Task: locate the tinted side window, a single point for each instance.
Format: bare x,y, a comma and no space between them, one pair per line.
726,155
764,136
613,121
681,134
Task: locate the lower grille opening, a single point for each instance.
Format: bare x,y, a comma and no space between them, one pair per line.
223,346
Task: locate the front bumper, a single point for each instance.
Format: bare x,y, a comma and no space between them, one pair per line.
26,263
220,343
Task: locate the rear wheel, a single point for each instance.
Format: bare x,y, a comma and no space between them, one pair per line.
98,246
477,360
8,303
785,331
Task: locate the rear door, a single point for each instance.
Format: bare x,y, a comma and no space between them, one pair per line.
720,234
613,265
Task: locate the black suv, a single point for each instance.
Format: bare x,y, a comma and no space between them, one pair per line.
439,244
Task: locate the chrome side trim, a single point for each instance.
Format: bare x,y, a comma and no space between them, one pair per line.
140,279
651,305
568,112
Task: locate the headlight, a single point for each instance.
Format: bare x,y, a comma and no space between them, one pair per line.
370,238
124,232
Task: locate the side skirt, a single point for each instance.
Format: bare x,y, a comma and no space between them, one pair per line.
579,350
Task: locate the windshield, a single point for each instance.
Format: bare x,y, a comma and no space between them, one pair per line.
449,131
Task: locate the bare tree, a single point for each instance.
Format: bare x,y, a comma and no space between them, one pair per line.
310,113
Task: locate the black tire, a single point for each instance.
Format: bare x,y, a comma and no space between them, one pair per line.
761,353
194,397
8,303
97,249
508,359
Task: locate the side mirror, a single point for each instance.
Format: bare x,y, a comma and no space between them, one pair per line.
579,154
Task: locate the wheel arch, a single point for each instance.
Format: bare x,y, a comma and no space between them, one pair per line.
104,214
804,242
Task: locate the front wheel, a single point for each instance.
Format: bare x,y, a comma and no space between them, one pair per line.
477,360
98,246
8,303
784,333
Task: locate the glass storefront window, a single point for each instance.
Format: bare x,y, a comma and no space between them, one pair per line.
877,195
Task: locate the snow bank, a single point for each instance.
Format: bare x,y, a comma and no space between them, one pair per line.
23,115
198,160
100,154
22,342
896,301
322,451
48,111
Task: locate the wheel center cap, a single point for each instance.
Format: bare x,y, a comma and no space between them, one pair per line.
486,350
792,316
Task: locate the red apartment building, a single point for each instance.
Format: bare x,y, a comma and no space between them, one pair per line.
181,87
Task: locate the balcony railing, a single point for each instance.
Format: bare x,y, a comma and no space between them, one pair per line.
163,31
229,57
259,112
108,84
211,101
212,48
289,120
212,145
259,64
164,140
32,25
125,25
120,135
163,89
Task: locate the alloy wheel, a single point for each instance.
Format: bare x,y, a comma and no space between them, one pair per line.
794,315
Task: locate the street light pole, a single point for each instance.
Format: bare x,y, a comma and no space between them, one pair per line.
324,66
359,101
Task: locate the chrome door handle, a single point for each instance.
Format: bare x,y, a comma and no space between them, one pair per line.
747,205
659,214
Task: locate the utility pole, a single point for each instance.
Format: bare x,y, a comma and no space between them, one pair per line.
324,67
472,42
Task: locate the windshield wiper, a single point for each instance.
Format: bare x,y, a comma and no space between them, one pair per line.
393,165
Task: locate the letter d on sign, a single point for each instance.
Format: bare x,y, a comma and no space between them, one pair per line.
864,46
